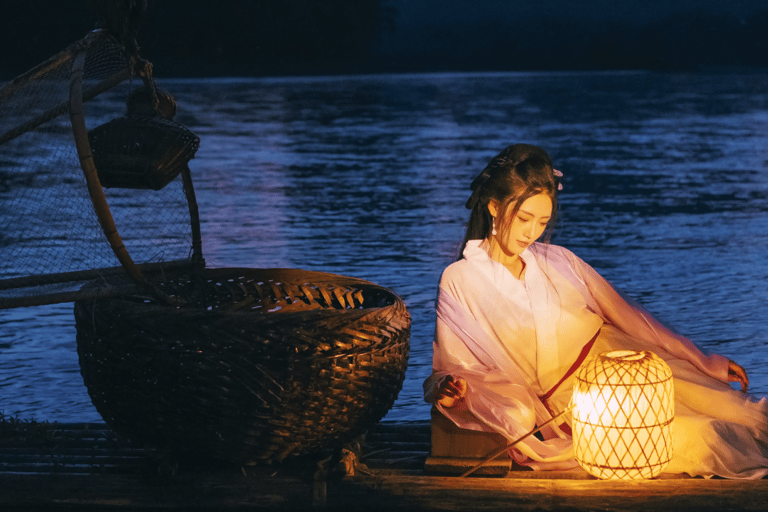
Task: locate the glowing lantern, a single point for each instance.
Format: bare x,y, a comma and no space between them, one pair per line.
622,417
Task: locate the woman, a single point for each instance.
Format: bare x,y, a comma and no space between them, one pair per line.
516,317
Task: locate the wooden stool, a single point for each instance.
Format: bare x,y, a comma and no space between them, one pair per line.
455,450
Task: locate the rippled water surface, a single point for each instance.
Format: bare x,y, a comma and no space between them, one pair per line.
666,194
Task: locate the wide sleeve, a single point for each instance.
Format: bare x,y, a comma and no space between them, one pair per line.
632,319
498,398
495,386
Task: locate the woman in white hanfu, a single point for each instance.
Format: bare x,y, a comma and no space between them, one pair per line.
515,318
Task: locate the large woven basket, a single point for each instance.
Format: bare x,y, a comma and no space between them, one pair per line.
264,364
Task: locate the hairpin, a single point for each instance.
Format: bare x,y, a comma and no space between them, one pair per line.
558,175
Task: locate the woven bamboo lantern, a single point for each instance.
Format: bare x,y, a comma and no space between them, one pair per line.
622,418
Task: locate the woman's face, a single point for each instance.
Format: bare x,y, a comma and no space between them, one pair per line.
516,234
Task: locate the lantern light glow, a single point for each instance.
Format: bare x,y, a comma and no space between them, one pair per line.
622,418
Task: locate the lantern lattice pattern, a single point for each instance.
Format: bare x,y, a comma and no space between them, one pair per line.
622,418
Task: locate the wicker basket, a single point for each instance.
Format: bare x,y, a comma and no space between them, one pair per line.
141,152
267,364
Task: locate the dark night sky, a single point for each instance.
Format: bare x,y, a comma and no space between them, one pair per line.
568,34
275,37
452,11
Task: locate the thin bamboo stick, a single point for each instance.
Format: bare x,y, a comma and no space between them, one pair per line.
499,451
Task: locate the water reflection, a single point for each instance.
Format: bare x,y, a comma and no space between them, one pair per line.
665,193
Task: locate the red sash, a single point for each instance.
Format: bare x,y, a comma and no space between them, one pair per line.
582,356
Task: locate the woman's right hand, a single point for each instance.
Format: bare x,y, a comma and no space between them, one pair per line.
451,390
738,374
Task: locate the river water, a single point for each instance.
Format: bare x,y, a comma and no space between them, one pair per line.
666,194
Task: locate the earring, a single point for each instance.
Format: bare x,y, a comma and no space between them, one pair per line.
493,226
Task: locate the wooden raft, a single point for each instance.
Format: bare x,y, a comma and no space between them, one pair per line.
87,467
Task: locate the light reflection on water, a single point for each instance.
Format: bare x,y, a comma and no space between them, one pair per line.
665,193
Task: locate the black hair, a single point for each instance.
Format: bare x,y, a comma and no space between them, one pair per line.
519,172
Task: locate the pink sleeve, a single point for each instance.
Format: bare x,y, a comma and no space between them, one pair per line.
633,319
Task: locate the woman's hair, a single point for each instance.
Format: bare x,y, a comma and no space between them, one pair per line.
519,172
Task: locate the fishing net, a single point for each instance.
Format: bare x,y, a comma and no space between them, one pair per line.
98,209
52,239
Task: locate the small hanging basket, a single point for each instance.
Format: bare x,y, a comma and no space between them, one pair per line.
141,152
264,365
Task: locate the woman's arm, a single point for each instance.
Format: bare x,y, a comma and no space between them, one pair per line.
634,320
449,356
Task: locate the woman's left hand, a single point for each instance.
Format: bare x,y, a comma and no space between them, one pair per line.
738,374
451,390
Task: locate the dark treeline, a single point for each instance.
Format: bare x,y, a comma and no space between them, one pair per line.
685,41
288,37
225,37
263,37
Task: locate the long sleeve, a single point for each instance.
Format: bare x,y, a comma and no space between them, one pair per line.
632,319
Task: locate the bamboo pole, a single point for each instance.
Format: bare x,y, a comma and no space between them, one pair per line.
84,275
108,291
41,69
499,451
20,81
95,190
194,215
71,296
61,108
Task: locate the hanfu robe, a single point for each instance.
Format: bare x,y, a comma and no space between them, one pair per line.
512,340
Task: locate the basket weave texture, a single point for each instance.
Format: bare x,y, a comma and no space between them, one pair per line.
141,152
265,365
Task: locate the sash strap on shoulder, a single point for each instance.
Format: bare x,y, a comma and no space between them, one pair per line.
582,356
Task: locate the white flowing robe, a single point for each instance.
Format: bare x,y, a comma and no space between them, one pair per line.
512,340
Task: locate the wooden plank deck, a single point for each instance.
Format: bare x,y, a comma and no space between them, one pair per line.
87,467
